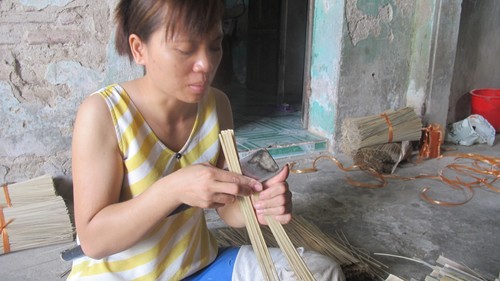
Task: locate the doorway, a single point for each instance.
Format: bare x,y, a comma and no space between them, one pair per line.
262,71
264,52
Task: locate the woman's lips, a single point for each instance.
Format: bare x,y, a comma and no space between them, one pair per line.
198,87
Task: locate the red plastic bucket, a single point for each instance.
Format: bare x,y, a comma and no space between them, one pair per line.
486,102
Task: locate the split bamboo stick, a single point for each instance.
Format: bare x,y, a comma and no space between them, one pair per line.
258,243
294,259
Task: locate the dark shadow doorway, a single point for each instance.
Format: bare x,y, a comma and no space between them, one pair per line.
262,70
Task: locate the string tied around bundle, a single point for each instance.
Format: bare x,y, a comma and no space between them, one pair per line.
389,125
7,195
3,231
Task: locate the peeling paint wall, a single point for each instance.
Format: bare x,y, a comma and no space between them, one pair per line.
325,66
389,54
361,51
376,59
53,54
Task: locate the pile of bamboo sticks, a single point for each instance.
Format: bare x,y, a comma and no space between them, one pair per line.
445,269
391,126
32,215
356,264
300,233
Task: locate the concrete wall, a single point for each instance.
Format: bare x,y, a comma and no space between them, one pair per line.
371,56
366,57
477,63
322,98
375,59
53,53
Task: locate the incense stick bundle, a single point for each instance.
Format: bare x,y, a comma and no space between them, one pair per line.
391,126
39,189
35,225
253,227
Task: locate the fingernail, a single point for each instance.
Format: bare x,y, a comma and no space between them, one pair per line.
257,186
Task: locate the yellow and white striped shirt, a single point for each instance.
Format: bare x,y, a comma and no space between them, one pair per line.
181,244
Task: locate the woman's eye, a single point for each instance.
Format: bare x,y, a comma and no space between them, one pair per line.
185,51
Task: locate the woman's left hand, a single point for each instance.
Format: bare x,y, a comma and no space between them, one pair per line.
275,199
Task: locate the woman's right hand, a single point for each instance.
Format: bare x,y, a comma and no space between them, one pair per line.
205,186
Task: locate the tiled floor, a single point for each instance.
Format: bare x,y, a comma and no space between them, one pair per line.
261,123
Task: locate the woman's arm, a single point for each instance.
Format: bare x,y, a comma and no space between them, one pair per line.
104,224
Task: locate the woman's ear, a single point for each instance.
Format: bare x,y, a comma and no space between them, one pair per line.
138,49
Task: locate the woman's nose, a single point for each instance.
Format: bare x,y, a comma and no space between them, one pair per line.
206,61
201,65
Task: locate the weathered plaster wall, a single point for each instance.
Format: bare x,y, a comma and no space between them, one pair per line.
477,62
373,55
53,53
360,61
375,62
325,66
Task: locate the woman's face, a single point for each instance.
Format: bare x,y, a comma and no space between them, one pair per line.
183,67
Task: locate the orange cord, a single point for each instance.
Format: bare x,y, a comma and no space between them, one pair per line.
7,196
3,230
484,171
389,124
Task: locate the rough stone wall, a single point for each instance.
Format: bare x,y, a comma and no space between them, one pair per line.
53,53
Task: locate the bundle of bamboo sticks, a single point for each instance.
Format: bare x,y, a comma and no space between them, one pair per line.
252,225
35,225
32,215
388,127
35,190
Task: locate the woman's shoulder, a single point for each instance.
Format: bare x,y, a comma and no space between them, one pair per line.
223,106
94,105
219,96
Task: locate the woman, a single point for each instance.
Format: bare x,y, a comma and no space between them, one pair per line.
147,148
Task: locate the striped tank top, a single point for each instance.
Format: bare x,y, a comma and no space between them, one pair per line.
181,244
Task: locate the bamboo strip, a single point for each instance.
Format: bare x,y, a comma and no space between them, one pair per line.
252,225
294,259
284,242
35,190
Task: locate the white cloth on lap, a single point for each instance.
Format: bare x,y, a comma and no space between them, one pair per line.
246,267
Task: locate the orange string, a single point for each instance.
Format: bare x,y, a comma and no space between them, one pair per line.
389,124
7,196
3,230
484,171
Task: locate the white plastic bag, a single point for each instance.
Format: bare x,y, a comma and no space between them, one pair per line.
474,129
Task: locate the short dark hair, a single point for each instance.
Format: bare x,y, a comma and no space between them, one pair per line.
143,17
